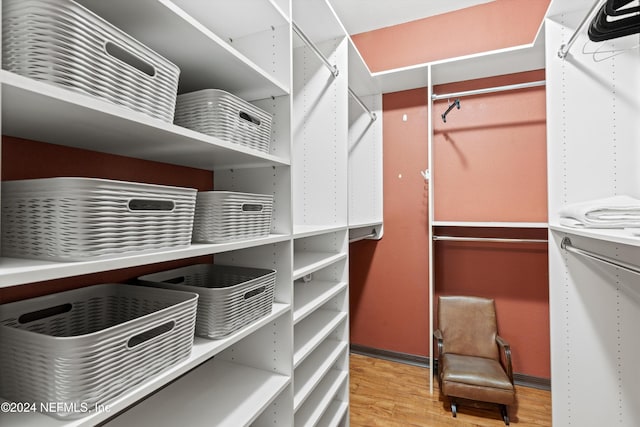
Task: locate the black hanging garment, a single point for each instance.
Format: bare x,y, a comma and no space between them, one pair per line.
626,21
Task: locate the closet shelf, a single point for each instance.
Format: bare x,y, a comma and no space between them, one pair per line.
319,401
334,414
300,231
310,333
308,262
608,235
17,271
510,60
202,351
308,375
486,224
216,393
206,61
355,225
308,297
43,112
40,111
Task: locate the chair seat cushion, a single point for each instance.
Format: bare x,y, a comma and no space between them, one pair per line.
475,378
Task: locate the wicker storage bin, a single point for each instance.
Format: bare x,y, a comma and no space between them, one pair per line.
63,43
223,115
84,347
224,216
73,219
230,297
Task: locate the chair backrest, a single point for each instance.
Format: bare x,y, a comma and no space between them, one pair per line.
468,326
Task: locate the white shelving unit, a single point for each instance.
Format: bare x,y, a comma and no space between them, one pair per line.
237,379
309,296
593,102
295,360
320,215
308,262
313,370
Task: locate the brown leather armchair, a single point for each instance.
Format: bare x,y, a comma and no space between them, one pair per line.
470,363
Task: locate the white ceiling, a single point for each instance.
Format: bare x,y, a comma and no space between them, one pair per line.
359,16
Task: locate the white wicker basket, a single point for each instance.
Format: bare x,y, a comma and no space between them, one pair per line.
84,347
73,219
224,216
223,115
63,43
230,297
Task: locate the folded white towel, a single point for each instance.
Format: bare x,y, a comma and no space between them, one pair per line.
610,212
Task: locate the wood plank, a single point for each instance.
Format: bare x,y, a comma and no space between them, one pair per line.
390,394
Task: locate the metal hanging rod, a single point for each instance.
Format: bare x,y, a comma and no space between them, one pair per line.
334,69
488,90
361,104
566,245
366,236
488,239
564,49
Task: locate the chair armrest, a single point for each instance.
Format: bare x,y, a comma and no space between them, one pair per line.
507,354
437,334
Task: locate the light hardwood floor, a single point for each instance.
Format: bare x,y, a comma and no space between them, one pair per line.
390,394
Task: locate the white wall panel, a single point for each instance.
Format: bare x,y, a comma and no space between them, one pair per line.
365,162
320,132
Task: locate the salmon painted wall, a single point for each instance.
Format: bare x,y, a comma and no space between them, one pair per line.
25,159
490,156
389,278
489,26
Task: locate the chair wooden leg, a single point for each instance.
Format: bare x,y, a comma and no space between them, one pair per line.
454,408
505,415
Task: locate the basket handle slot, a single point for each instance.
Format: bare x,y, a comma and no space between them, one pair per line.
248,117
129,58
257,291
252,207
151,205
175,280
44,313
149,334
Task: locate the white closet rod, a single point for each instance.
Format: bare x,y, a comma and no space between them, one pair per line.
564,49
361,104
488,90
334,69
488,239
566,245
